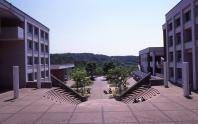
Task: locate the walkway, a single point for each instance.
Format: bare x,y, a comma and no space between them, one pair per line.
170,107
97,89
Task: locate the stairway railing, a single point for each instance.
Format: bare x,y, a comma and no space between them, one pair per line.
66,88
143,81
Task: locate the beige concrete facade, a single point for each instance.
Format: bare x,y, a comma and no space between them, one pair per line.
181,41
24,42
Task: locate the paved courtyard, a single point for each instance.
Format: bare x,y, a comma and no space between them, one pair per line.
170,107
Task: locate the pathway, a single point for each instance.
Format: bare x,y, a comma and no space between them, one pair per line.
97,89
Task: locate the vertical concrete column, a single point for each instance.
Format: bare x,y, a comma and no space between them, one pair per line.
166,74
185,79
154,63
194,53
38,76
16,81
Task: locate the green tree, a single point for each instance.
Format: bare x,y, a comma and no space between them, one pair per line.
79,76
118,76
91,69
108,66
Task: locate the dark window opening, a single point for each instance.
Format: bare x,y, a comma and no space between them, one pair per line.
30,45
42,61
42,48
30,77
170,27
178,38
30,62
179,73
46,36
43,74
187,16
46,61
36,46
36,31
178,22
170,39
188,35
179,56
36,60
30,28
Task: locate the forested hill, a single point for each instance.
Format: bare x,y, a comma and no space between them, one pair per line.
84,57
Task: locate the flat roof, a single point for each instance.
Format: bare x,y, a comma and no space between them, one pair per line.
150,49
61,66
19,12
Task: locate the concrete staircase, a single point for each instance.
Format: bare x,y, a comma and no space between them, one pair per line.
63,93
59,95
139,92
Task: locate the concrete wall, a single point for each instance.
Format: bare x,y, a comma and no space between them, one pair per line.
188,47
11,54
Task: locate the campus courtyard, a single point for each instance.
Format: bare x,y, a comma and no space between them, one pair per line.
170,107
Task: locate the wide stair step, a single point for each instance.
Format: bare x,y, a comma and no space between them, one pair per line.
61,96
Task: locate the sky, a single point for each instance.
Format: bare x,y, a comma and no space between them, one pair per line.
110,27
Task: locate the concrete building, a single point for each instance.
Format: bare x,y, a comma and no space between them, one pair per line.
150,60
181,41
24,42
62,71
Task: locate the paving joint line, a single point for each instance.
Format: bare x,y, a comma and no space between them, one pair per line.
133,114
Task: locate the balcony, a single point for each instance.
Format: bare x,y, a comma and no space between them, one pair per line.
12,33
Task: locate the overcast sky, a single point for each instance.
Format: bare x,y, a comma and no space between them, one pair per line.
111,27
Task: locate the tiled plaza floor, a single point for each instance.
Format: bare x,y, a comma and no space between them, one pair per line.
170,107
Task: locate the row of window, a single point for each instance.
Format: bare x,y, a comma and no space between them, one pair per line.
44,48
187,37
43,34
178,73
178,56
187,17
33,76
36,60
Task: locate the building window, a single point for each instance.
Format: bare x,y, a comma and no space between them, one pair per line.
35,31
30,77
30,62
171,56
47,73
42,48
46,37
170,41
170,27
30,28
177,22
179,56
43,74
42,61
42,35
171,72
179,73
36,60
46,49
187,16
46,61
36,46
188,35
30,45
178,38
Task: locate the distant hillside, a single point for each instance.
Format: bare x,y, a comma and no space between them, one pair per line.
83,57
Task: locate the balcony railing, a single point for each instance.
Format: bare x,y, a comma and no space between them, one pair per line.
12,33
